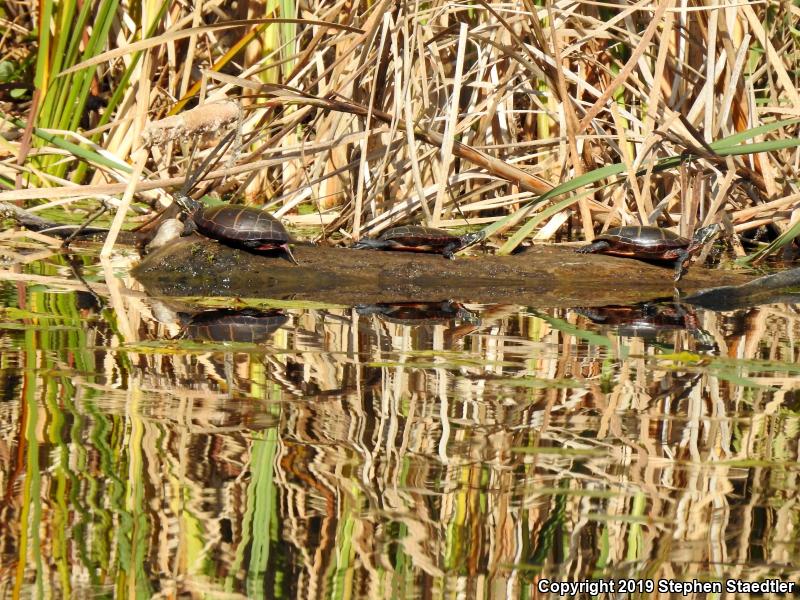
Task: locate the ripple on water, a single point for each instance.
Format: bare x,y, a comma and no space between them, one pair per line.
470,447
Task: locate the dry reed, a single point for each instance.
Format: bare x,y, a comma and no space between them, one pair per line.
460,113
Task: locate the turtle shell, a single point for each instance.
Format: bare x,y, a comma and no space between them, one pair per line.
413,236
643,242
241,225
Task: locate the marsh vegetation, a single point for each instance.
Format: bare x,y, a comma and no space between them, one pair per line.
247,445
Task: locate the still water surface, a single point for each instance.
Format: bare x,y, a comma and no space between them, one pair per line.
446,450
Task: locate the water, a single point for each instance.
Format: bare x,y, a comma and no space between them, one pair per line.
364,452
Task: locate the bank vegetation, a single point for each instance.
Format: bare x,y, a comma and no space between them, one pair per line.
533,120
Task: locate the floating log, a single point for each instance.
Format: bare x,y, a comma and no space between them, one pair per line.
543,276
783,287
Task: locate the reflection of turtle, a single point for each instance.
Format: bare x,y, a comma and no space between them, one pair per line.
417,313
652,243
640,320
248,325
411,238
648,320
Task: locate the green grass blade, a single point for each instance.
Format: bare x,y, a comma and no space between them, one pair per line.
42,75
737,138
530,224
86,154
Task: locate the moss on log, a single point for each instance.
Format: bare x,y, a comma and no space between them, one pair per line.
543,276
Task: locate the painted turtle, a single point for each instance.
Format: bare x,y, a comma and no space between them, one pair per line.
244,227
652,243
412,238
249,325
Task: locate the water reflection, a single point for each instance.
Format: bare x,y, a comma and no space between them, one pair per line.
650,321
418,313
246,325
388,451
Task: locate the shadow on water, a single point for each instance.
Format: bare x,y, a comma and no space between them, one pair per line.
163,447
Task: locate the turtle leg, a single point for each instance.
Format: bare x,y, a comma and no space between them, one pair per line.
272,249
681,264
450,250
288,252
598,246
368,244
189,226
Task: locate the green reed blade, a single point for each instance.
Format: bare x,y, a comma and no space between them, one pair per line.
41,77
86,154
782,240
747,134
261,510
531,223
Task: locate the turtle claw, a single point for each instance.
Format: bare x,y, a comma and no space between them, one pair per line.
289,254
597,246
680,271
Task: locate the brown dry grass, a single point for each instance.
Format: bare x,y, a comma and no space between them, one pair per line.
459,113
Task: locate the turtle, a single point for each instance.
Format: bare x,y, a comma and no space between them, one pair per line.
413,238
641,320
652,243
247,325
243,227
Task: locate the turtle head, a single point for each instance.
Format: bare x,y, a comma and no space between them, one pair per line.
705,234
469,239
186,203
467,316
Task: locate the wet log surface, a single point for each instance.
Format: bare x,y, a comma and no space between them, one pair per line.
544,276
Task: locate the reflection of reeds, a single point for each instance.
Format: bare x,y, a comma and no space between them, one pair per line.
353,456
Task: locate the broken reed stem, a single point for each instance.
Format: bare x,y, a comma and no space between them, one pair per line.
363,167
205,119
571,123
25,143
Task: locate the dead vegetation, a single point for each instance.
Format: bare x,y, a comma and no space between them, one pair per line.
558,119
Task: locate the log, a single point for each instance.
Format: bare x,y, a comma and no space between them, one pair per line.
544,276
774,288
